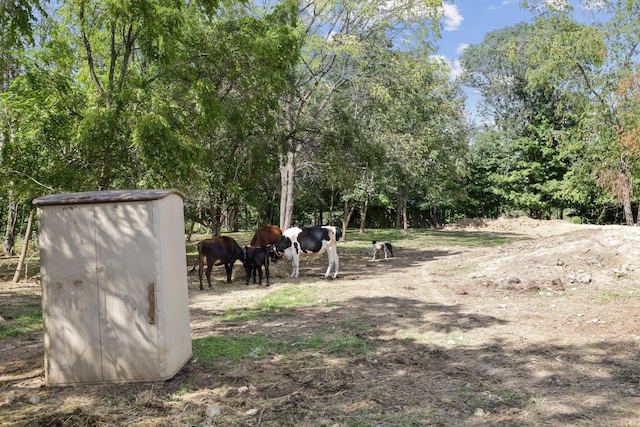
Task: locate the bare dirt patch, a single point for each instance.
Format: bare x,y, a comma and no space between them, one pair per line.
541,331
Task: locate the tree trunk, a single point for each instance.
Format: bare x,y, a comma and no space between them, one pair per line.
23,253
216,226
348,211
363,213
190,232
402,221
405,219
8,74
270,212
9,238
331,200
625,189
216,217
234,214
287,187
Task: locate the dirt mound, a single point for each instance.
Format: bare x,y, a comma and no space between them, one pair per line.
521,225
593,255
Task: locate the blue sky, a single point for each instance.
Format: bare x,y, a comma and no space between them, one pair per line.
467,22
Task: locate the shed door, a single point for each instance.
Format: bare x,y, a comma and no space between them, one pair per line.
126,273
70,295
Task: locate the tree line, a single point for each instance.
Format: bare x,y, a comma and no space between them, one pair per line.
318,111
563,98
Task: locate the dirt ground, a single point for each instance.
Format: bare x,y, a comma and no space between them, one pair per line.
542,331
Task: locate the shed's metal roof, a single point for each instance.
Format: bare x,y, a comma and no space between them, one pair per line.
92,197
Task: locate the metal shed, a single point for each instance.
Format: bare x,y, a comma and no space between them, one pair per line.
114,286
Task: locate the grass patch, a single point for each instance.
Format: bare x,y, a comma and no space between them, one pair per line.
295,296
21,317
345,346
208,350
241,315
274,304
334,344
26,322
419,238
234,349
612,296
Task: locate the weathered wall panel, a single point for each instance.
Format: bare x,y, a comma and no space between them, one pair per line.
125,263
70,299
173,306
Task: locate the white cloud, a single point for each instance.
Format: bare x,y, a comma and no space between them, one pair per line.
558,5
452,17
456,69
502,4
461,47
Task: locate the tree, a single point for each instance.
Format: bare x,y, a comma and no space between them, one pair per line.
422,124
397,124
17,19
602,56
163,93
531,122
232,94
486,158
86,77
337,35
346,135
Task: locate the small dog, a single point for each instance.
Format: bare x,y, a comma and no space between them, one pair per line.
381,246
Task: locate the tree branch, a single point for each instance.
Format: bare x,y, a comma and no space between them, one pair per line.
30,178
129,41
87,47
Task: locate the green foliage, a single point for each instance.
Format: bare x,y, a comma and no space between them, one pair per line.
328,112
151,93
538,117
592,59
563,47
229,93
40,102
400,131
16,20
214,97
